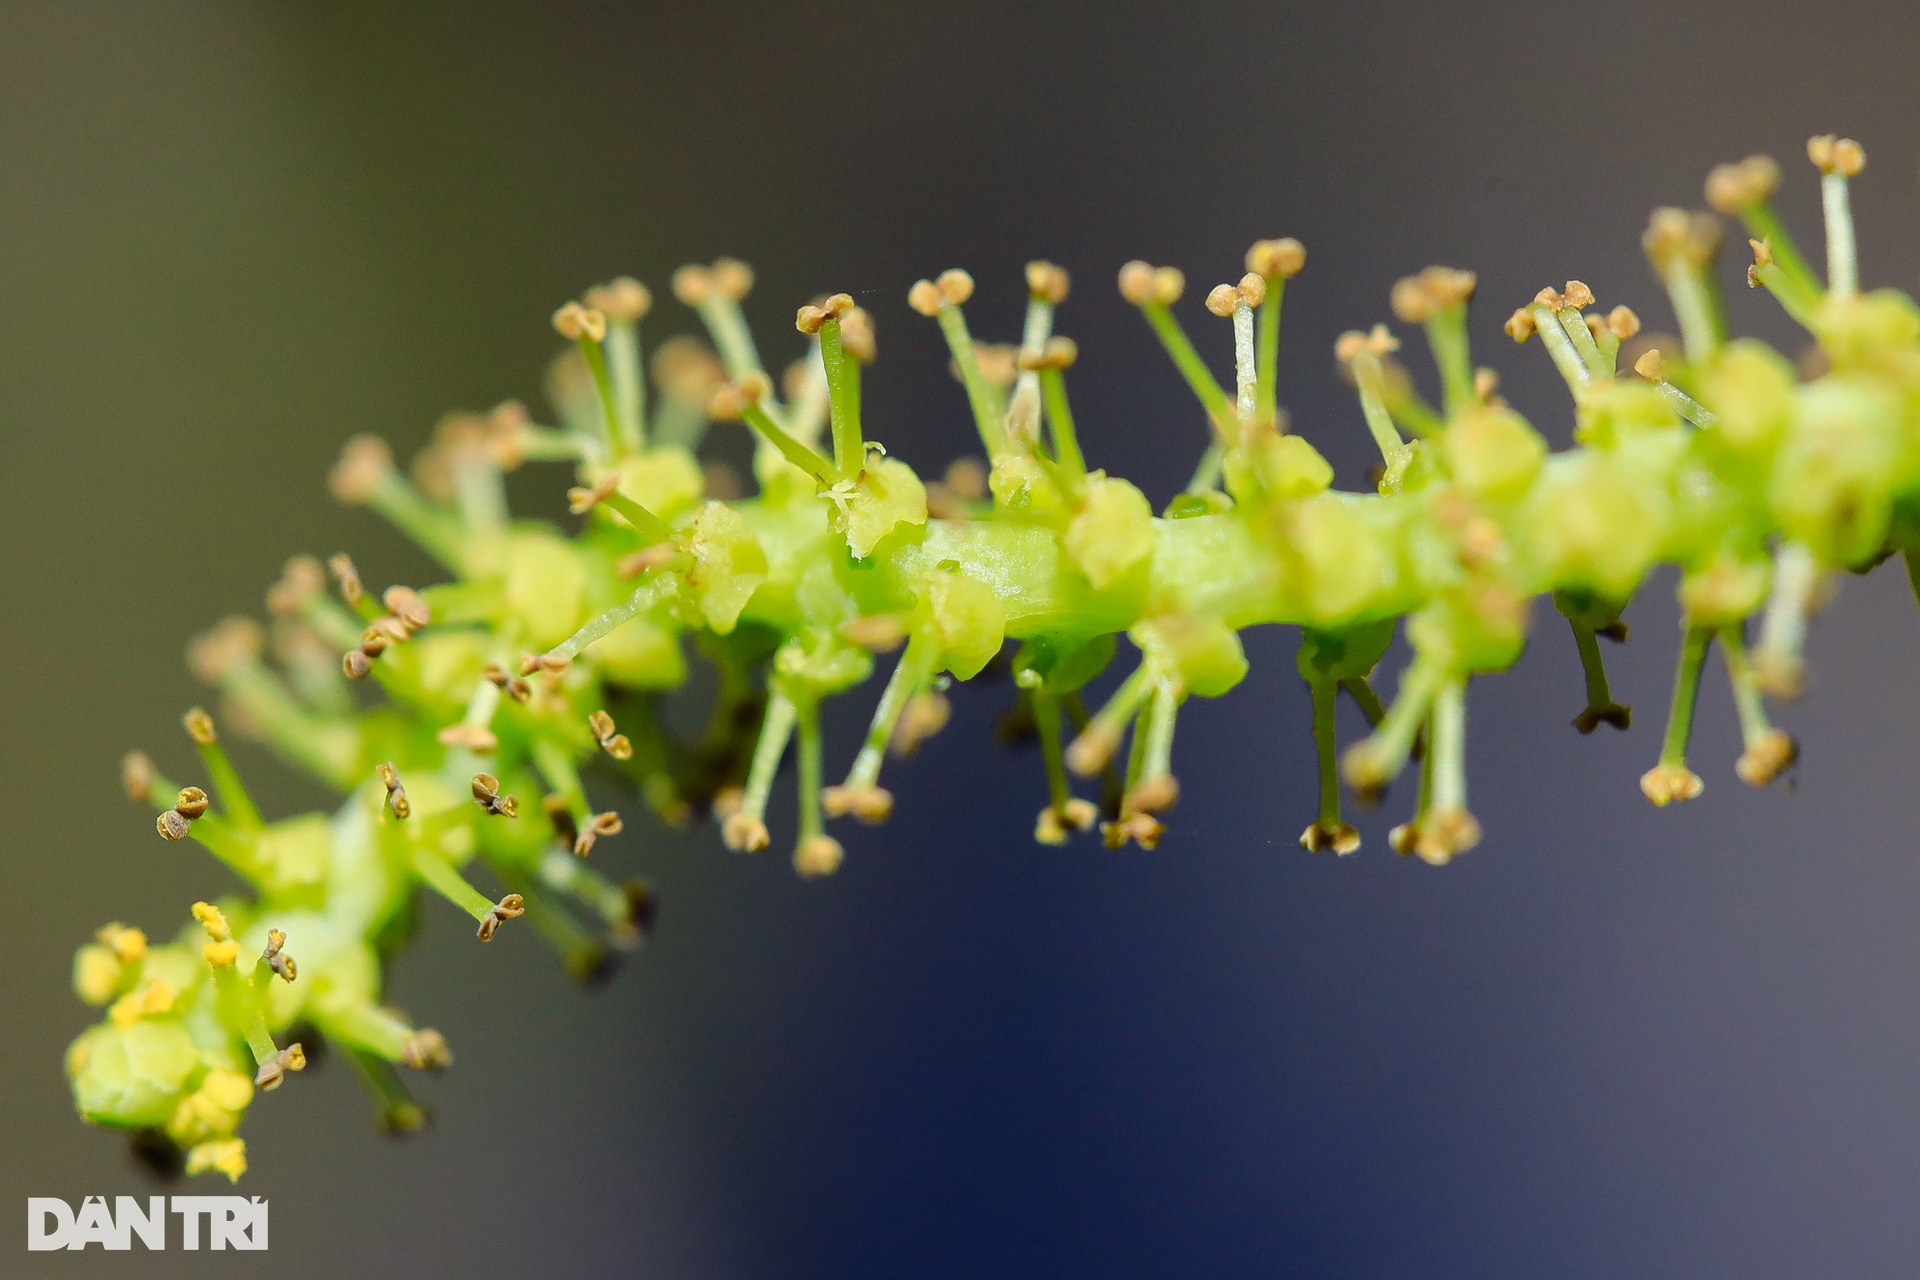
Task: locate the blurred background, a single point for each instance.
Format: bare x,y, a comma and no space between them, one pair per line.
1611,1041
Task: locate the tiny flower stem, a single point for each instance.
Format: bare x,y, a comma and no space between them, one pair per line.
1046,720
1066,441
241,809
365,1027
1754,725
629,384
1206,474
1267,404
1592,665
1369,379
1574,325
240,1010
731,336
1033,338
333,620
1696,306
1560,347
1110,784
1764,224
439,875
772,744
1361,691
1326,750
562,777
1448,746
909,675
394,1105
1842,269
1097,742
479,491
1797,299
804,456
1684,405
545,444
1139,746
987,413
596,358
1686,692
651,527
649,593
1159,752
1378,759
579,881
807,757
843,393
1447,336
808,412
431,527
1213,399
1246,375
1783,627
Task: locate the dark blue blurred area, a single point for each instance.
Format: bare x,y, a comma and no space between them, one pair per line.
1612,1041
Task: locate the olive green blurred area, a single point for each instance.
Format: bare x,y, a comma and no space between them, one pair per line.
1611,1041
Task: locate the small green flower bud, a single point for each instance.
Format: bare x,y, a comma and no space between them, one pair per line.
1749,388
1835,475
666,480
132,1075
887,494
1111,533
971,621
1201,654
728,565
545,588
1493,453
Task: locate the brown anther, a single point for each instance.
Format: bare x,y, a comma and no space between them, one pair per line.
556,812
1612,713
1417,299
601,824
1623,323
809,320
276,959
1053,826
407,605
732,278
364,462
396,794
967,477
622,298
574,322
301,579
1152,795
172,825
744,834
611,741
582,499
357,665
515,687
1843,156
486,794
926,714
1733,189
511,907
1168,284
231,643
1666,784
871,805
1404,838
1576,295
1046,282
137,775
1136,282
955,286
341,566
426,1050
1142,828
1252,288
191,803
1089,753
1677,235
1336,837
925,298
274,1069
1651,365
1222,299
686,369
1277,259
1771,754
551,663
476,738
693,284
507,425
1596,325
1762,258
1550,298
1486,383
818,856
1520,325
1445,833
998,363
199,726
856,335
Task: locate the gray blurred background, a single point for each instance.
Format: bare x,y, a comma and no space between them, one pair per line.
1613,1041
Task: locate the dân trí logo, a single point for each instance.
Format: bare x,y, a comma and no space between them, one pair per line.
231,1222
